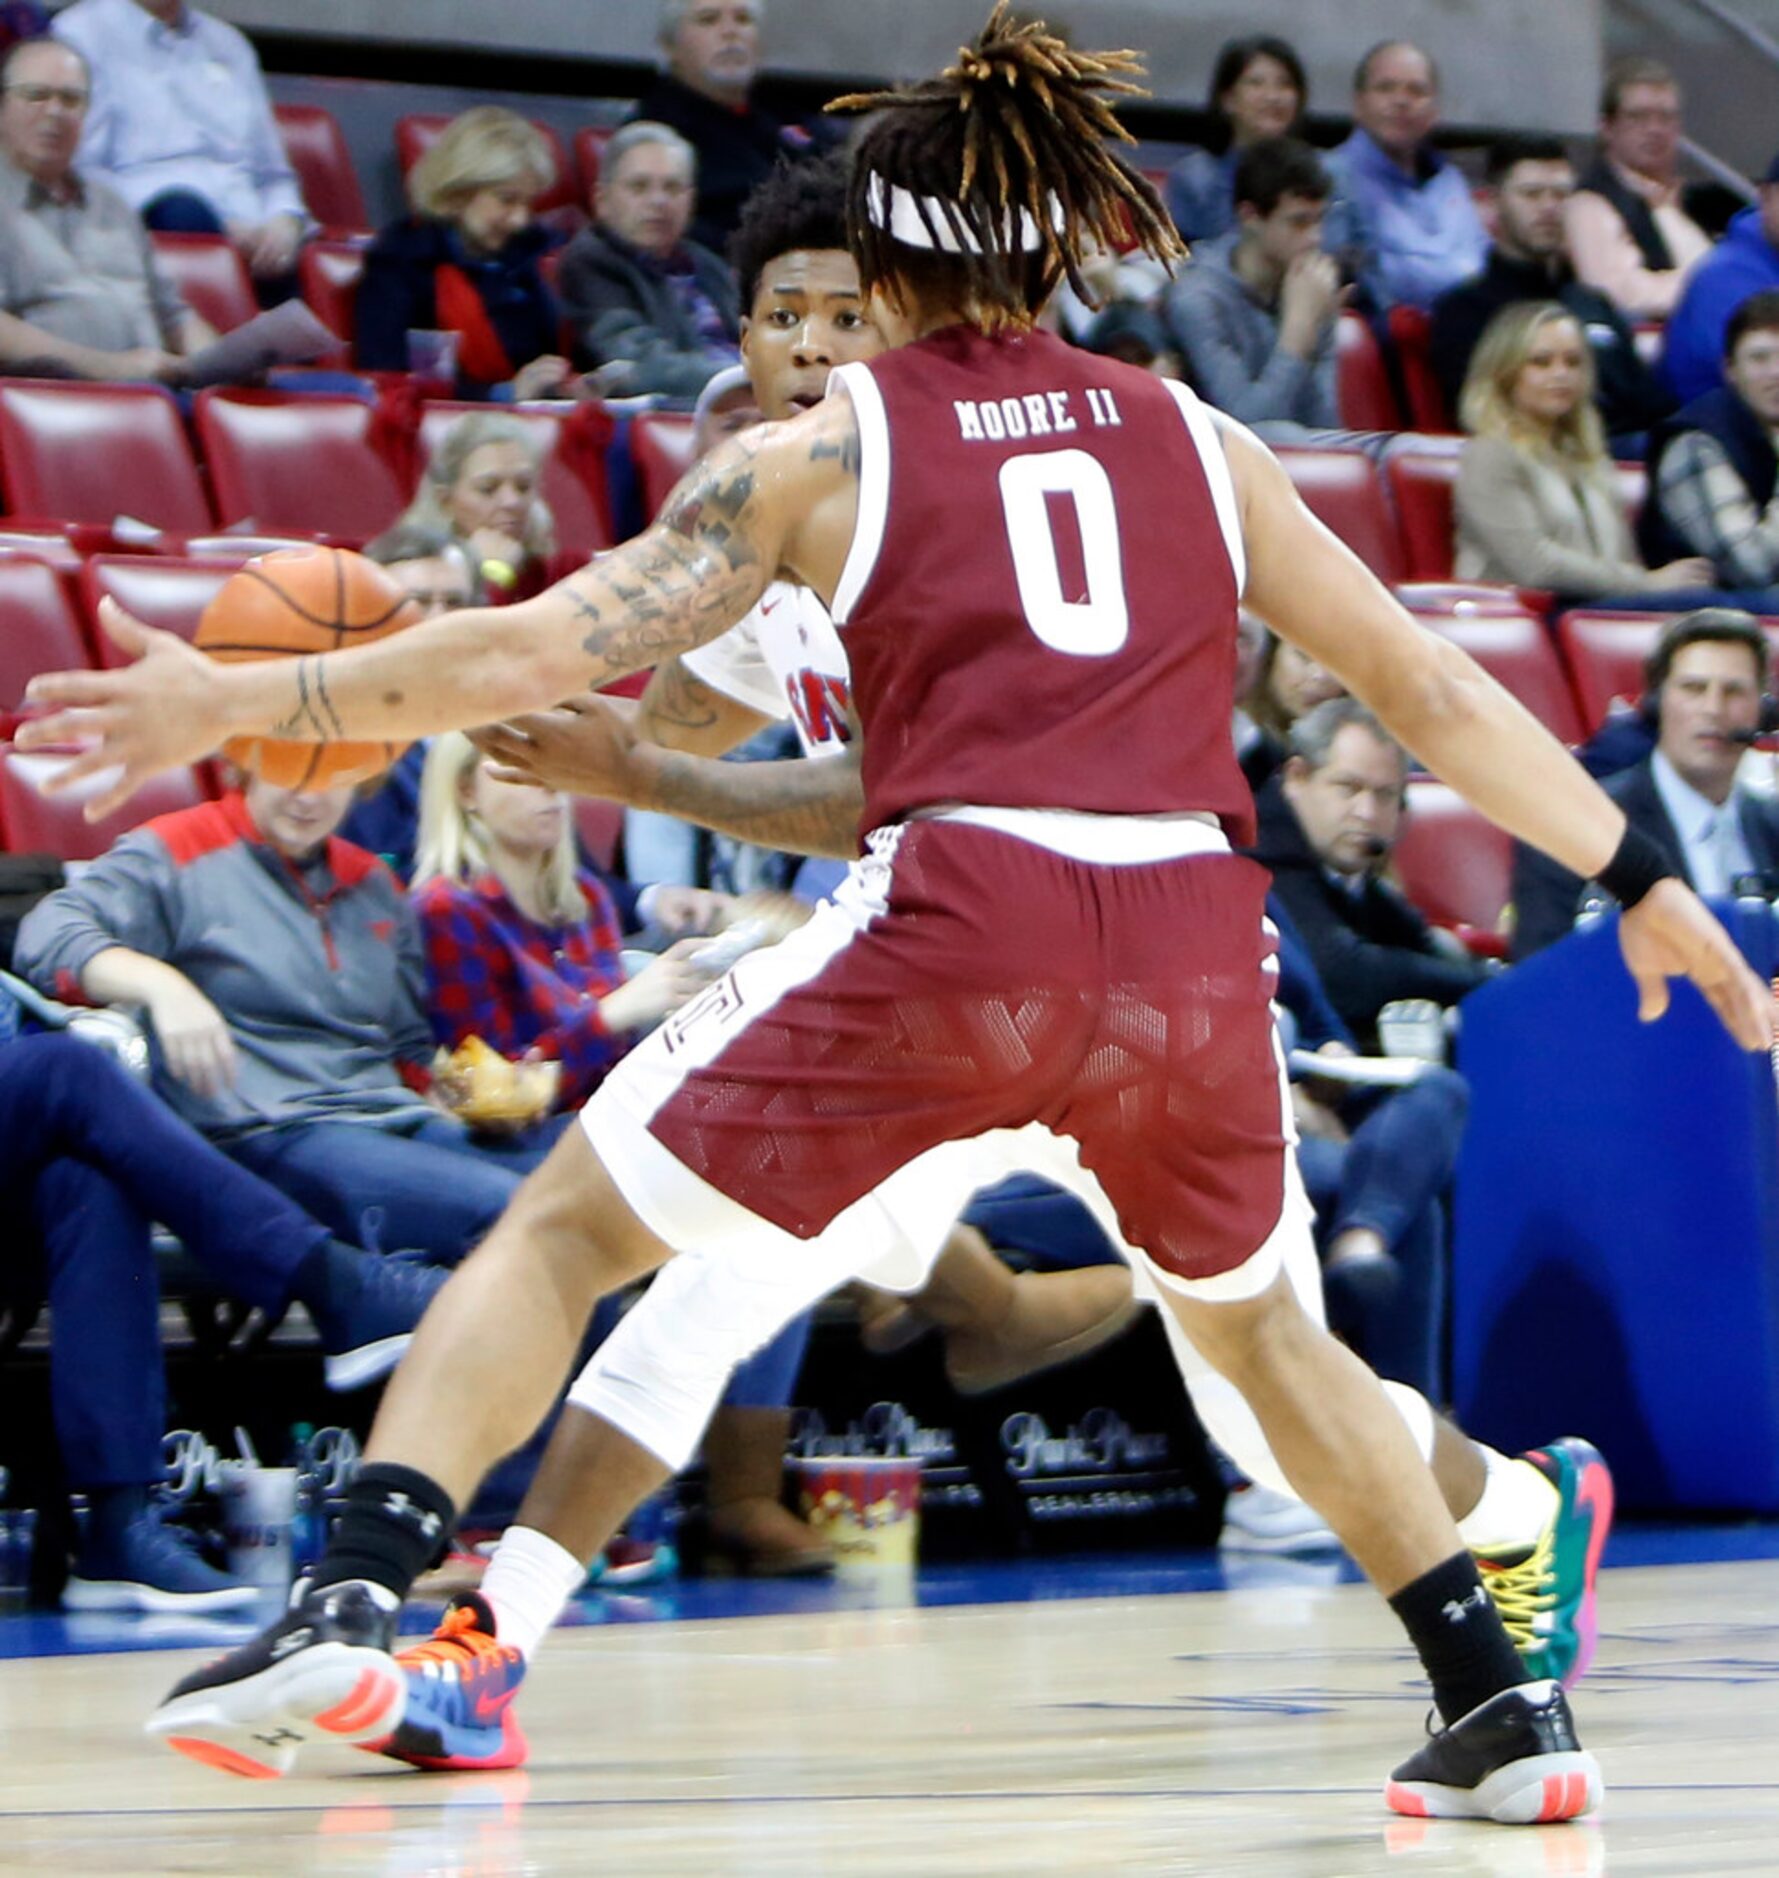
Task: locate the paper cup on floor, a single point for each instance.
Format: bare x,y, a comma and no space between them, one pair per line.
258,1507
867,1507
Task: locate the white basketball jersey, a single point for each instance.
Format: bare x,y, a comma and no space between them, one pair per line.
784,660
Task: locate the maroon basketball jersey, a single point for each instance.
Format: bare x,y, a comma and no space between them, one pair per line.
1039,608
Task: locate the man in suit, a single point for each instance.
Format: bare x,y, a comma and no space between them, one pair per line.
1328,821
1703,681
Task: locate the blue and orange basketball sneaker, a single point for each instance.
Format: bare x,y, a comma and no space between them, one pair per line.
461,1683
1546,1595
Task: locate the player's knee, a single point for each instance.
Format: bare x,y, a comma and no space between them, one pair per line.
1248,1337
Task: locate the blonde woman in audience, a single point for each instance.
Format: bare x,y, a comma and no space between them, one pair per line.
1538,503
482,488
466,261
522,951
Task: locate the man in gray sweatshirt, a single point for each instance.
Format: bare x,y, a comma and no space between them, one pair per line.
1254,313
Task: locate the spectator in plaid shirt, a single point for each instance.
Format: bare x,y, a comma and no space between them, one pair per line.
1714,468
521,949
523,953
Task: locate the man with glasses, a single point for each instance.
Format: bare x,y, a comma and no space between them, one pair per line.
80,296
1628,231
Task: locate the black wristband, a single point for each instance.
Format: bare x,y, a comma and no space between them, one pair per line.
1639,863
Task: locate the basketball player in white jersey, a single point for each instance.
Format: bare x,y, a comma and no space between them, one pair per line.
1076,823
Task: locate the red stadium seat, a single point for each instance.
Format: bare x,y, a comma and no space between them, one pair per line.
1411,334
589,155
600,826
40,628
1605,653
1455,864
1421,484
1341,488
662,446
416,133
90,453
307,464
1366,400
329,273
1517,653
318,154
211,277
573,463
46,543
1488,598
158,589
33,823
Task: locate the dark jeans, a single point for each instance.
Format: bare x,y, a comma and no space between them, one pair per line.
101,1157
1391,1177
432,1188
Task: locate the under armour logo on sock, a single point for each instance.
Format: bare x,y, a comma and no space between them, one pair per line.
399,1505
1456,1612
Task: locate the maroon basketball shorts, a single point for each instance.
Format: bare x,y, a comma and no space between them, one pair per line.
965,980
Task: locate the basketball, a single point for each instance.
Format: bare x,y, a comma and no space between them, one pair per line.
298,600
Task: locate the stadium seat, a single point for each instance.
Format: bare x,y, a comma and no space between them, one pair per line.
1365,398
328,273
211,277
1487,597
45,543
1411,339
306,464
1605,654
40,627
318,153
416,133
1341,488
1633,488
661,444
599,826
1420,484
574,467
1455,864
1517,652
90,453
159,590
33,823
589,154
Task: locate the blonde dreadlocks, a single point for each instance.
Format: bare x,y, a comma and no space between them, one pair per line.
986,186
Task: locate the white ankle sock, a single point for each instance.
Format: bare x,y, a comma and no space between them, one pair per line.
1516,1505
528,1581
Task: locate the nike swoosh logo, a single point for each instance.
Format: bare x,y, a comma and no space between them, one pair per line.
487,1708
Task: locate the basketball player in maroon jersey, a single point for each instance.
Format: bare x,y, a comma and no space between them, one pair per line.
1035,559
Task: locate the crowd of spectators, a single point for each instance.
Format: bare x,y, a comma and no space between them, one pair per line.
295,989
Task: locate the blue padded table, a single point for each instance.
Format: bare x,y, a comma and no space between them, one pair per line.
1616,1255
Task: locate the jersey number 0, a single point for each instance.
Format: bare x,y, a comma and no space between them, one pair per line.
1099,624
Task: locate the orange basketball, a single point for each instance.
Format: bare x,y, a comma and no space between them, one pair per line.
298,600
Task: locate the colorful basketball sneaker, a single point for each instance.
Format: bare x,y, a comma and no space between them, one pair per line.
1513,1759
461,1683
1546,1595
323,1671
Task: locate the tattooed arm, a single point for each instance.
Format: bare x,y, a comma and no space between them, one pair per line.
780,497
680,711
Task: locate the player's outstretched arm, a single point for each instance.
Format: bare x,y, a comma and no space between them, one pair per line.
1471,732
588,747
697,571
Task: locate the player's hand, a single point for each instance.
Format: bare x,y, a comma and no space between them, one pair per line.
194,1040
163,710
1671,933
586,747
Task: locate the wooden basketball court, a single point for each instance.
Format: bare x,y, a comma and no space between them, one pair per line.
1221,1732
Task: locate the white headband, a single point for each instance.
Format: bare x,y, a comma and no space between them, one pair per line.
932,223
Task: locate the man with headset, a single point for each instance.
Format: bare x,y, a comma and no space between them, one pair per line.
1705,681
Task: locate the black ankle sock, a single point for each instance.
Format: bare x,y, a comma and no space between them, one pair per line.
396,1522
1458,1635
